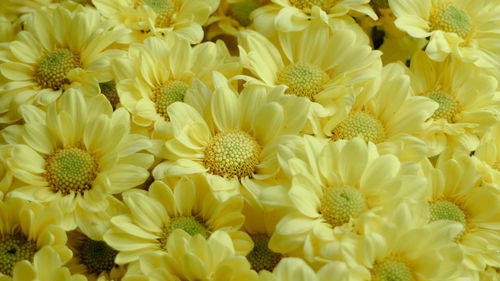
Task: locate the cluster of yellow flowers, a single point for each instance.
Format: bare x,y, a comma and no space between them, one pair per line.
250,140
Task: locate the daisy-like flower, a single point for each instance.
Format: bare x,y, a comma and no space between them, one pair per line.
59,49
78,154
46,266
392,118
26,228
404,247
487,155
468,103
155,214
160,17
456,194
233,141
463,28
232,16
295,15
334,192
160,72
320,69
195,258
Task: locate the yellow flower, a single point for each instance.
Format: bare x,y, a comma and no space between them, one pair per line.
154,215
232,139
25,229
195,258
487,155
329,67
5,174
462,28
59,49
160,72
468,105
456,194
336,189
77,154
160,17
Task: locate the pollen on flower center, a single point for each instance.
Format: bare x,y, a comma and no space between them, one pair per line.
451,18
241,11
52,70
303,80
108,89
70,170
360,124
164,9
191,225
391,270
307,4
15,248
168,94
448,106
261,257
96,256
340,204
232,153
446,210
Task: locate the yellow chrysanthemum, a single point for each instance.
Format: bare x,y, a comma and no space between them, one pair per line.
487,155
456,194
5,174
77,154
160,17
330,69
17,10
59,49
404,247
194,258
26,228
335,190
156,214
460,27
468,104
232,139
47,266
160,72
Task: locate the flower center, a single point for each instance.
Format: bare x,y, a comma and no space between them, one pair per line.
97,256
191,225
446,210
391,270
232,153
448,106
14,248
303,80
451,18
71,170
339,205
307,4
241,11
165,10
380,4
360,124
166,95
108,89
261,257
52,70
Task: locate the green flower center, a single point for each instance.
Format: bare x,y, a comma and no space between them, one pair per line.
168,94
191,225
360,124
261,257
340,204
303,80
380,4
391,270
165,10
446,210
15,248
232,153
451,18
108,89
97,256
307,4
241,11
71,170
52,70
448,106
